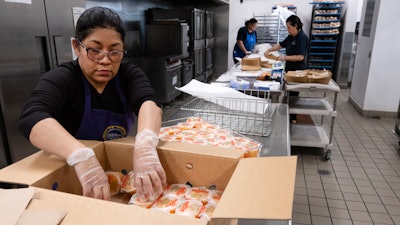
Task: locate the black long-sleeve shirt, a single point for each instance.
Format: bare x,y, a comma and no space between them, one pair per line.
59,94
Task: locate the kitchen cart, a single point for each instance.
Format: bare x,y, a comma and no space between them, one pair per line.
313,135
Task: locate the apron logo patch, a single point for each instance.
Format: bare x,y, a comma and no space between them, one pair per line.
114,132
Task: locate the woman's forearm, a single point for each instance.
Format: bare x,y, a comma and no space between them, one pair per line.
294,58
241,46
150,116
51,137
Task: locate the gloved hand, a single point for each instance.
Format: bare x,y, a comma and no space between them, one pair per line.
282,58
149,173
266,53
90,173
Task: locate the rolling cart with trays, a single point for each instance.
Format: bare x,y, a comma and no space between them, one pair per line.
313,135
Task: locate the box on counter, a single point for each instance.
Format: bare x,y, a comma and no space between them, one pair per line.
254,188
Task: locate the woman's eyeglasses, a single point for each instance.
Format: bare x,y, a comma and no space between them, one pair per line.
96,55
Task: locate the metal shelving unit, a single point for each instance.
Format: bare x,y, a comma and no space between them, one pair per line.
324,35
313,135
270,29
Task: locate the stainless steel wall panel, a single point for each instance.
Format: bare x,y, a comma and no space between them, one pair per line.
28,52
209,42
61,28
344,60
20,24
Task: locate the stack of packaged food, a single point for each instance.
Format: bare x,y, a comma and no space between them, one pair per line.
198,131
181,199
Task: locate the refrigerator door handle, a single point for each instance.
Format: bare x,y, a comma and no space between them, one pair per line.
44,55
57,39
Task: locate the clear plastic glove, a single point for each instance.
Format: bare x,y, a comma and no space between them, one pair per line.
90,173
149,173
248,52
266,53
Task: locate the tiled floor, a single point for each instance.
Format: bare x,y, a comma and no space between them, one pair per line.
361,182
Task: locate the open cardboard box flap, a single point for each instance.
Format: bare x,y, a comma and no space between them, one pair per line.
253,193
254,188
31,170
90,211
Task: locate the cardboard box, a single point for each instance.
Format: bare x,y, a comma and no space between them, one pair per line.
254,188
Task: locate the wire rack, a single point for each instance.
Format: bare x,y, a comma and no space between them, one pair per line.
245,116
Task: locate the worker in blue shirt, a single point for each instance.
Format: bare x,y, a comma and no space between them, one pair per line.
246,39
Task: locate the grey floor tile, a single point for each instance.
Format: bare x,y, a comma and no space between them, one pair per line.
329,180
362,223
337,221
301,208
314,185
317,201
312,177
380,184
343,174
381,218
339,213
363,183
385,192
321,220
300,199
376,177
355,169
300,191
352,197
396,219
390,201
375,208
319,211
316,193
359,176
301,218
393,210
345,181
300,183
370,167
331,186
371,199
349,188
334,203
359,206
360,216
366,190
392,179
333,194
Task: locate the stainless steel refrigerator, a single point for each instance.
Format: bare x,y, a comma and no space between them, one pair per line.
35,37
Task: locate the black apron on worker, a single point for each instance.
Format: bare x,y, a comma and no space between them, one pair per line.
100,124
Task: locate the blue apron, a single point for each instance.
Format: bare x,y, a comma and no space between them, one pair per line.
99,124
248,44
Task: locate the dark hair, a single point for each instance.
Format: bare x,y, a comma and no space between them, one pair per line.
250,21
98,17
295,21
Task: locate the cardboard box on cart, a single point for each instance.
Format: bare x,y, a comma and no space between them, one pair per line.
254,188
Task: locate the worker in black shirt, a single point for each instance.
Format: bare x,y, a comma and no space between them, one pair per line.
94,98
296,45
245,40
